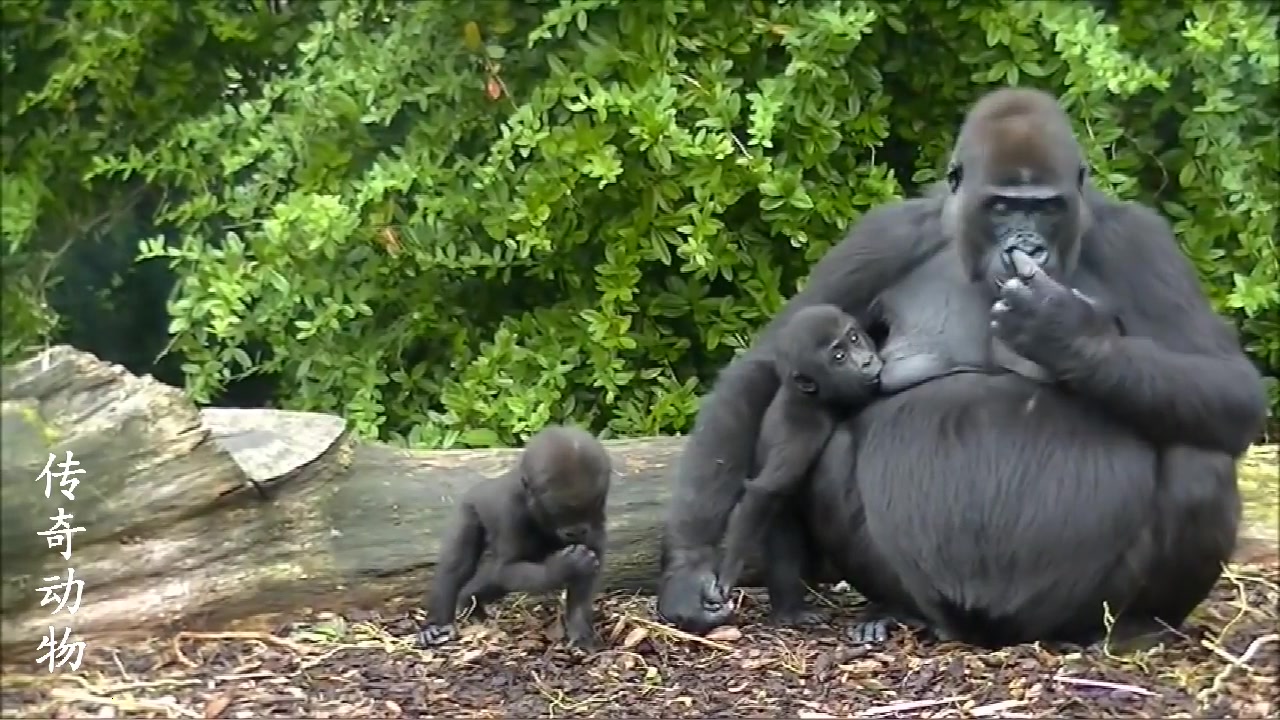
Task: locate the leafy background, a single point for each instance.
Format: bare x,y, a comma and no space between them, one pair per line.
455,221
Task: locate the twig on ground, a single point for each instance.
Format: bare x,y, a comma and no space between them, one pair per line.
689,637
258,636
171,709
180,656
1067,679
909,705
1243,661
998,708
115,658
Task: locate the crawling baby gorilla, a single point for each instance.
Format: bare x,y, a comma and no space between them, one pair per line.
827,368
542,526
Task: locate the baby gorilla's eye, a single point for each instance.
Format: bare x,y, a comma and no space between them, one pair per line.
838,356
853,337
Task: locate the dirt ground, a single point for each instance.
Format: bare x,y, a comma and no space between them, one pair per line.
1224,665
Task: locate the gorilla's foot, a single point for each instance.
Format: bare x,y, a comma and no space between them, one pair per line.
432,635
690,599
880,624
801,615
870,632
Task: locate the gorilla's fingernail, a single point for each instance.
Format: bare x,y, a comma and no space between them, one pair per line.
1023,262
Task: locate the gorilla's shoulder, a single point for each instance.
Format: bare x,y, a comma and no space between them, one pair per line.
1126,221
911,216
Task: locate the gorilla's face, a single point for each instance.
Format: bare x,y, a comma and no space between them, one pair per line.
566,486
991,222
1016,186
825,353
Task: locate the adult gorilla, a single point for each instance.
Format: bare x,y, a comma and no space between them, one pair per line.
1063,412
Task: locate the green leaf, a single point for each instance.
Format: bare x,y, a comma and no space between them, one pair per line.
479,437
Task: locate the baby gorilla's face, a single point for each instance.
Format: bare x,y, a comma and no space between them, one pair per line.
569,505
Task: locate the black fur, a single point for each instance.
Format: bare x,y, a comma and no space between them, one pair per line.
828,367
992,508
543,526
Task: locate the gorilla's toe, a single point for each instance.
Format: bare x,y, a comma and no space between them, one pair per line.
872,632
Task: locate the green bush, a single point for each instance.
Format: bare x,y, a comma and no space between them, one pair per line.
88,81
455,221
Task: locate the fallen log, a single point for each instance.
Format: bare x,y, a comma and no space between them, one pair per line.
194,517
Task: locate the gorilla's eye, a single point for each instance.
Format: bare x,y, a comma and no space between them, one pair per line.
954,175
1000,208
1082,176
839,355
853,337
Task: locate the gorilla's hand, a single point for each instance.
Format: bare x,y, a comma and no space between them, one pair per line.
1046,322
691,599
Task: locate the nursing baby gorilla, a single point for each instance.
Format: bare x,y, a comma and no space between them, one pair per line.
828,368
1062,419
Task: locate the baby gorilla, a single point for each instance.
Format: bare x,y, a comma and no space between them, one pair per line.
827,367
543,527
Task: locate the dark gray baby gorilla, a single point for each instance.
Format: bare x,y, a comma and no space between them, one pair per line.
542,526
828,368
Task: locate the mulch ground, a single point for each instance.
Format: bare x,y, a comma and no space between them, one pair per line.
1224,666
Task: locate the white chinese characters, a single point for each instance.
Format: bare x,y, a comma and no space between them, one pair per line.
62,594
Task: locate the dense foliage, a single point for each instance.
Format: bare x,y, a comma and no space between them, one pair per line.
454,221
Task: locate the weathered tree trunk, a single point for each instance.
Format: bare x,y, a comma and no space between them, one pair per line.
187,516
200,516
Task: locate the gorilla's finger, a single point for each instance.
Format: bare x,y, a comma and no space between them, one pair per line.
1017,293
1023,264
713,594
1011,284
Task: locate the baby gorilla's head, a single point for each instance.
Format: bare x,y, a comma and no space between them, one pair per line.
824,353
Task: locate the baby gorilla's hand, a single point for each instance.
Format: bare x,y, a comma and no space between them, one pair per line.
575,561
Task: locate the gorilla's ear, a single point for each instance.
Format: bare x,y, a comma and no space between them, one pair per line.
955,173
804,383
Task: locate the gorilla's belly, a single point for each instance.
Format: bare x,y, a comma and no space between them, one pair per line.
979,460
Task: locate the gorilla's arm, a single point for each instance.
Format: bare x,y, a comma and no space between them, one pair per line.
580,592
883,247
1179,375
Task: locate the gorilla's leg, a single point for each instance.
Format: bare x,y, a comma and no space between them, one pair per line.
482,591
789,559
838,523
1197,522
